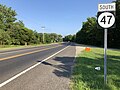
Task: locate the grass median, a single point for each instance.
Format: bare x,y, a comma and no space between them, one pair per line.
85,77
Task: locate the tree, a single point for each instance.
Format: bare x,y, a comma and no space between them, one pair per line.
59,38
7,17
15,33
52,37
114,34
4,38
89,34
74,38
68,38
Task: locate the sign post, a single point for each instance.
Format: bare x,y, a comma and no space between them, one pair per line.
106,19
105,56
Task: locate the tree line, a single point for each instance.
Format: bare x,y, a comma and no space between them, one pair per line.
14,32
91,35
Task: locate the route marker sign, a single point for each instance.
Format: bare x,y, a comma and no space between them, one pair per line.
106,15
106,20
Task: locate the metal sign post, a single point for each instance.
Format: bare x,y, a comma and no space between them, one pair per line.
105,56
106,19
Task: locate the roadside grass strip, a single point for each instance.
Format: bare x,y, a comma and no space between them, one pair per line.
85,77
10,47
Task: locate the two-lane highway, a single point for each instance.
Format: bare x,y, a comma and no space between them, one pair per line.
25,51
16,64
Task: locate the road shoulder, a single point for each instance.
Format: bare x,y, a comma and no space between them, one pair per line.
53,74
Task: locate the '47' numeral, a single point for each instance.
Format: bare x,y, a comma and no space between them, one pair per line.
106,19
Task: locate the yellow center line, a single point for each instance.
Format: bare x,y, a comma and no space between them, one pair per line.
2,53
27,53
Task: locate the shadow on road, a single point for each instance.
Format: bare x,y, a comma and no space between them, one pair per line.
63,69
62,65
85,71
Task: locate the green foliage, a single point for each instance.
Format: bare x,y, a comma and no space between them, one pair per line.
85,77
7,17
89,34
4,38
15,33
71,38
114,34
52,38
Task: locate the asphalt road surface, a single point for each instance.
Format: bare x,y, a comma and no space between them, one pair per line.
37,68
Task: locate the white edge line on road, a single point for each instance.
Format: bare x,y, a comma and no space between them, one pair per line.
19,74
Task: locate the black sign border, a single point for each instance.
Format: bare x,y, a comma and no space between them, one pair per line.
113,26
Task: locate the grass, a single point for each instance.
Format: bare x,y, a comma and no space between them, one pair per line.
8,47
85,77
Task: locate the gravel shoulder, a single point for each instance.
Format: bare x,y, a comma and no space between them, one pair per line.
79,48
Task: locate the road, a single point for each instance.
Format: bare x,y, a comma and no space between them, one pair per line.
37,68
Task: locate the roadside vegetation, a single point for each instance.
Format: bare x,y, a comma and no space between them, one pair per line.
89,34
85,77
9,47
14,32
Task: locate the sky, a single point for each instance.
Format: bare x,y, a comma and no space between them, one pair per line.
57,16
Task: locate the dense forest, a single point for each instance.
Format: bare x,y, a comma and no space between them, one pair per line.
91,35
14,32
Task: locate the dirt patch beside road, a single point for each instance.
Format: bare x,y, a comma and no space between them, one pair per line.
79,49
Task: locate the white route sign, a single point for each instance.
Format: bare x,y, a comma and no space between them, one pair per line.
106,19
106,7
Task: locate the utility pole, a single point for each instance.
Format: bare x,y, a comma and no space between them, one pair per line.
43,28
